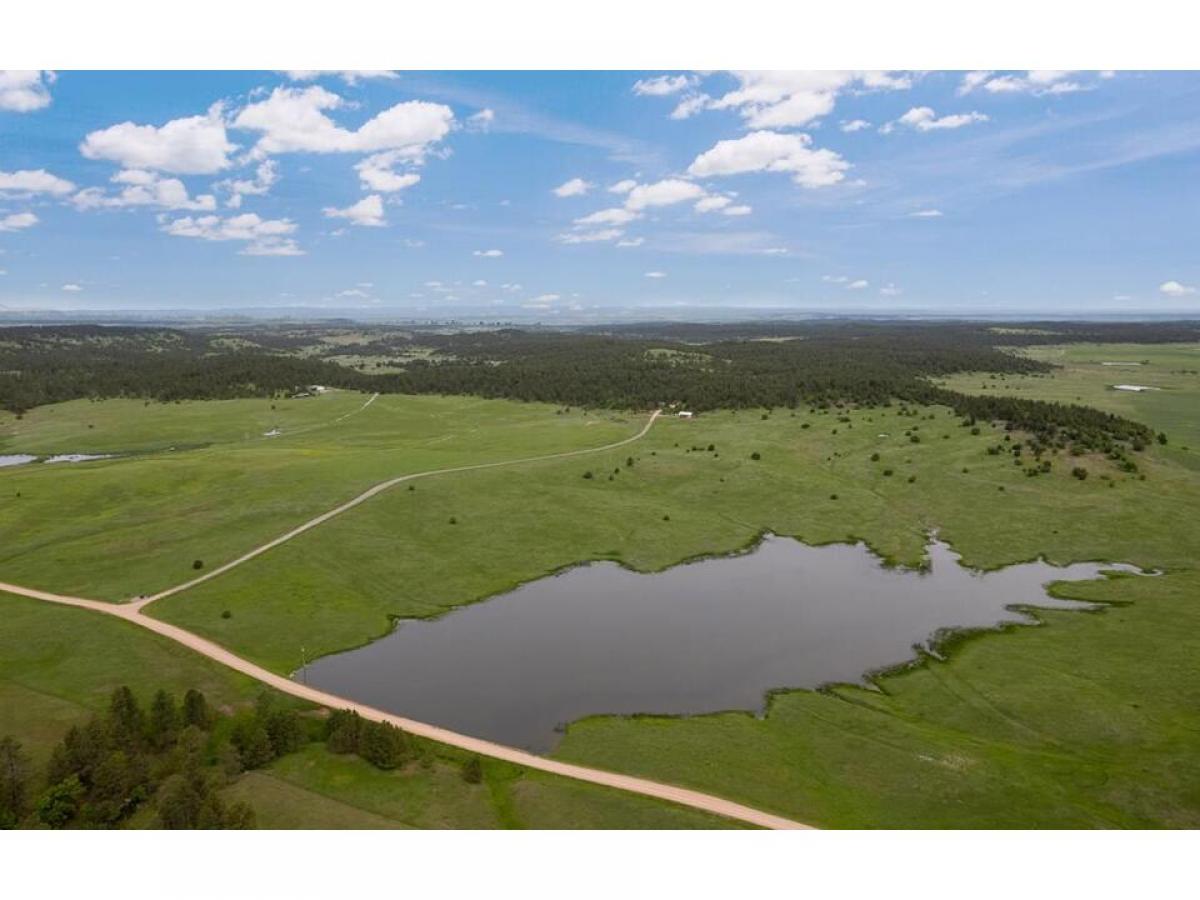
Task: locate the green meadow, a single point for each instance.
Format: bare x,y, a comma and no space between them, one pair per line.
58,666
1091,720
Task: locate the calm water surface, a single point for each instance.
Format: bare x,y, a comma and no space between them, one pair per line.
702,637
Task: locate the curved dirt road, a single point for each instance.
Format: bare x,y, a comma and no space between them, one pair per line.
682,796
367,495
132,613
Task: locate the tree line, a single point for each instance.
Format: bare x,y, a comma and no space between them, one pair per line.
702,367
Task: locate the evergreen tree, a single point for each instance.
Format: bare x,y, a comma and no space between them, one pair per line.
14,782
196,711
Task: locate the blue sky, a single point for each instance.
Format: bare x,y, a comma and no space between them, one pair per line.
573,195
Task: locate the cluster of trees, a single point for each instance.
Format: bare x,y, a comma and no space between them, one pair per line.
381,744
174,756
822,365
103,772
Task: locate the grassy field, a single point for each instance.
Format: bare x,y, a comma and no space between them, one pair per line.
1083,377
1093,720
58,666
399,555
117,528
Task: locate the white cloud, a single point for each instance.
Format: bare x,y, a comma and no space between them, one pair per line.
663,85
264,237
689,106
367,212
542,301
482,120
741,210
576,187
890,290
72,288
656,275
770,151
923,118
294,120
926,214
614,216
662,193
623,187
1038,82
479,283
711,202
265,177
631,242
144,188
1175,289
350,76
24,91
835,279
18,221
376,173
196,145
858,284
854,125
589,237
791,99
489,254
34,181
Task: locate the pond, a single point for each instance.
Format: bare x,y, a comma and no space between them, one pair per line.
706,636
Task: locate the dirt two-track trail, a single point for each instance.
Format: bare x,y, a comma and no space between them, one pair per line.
133,613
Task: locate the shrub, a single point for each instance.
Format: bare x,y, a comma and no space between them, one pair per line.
1080,473
756,455
198,564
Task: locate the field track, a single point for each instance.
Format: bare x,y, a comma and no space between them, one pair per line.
132,613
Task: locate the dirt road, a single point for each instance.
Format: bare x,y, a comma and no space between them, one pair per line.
367,495
132,613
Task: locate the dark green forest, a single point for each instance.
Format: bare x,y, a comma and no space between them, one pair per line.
819,364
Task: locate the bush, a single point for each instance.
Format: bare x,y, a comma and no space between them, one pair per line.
1080,473
472,770
197,564
756,455
874,457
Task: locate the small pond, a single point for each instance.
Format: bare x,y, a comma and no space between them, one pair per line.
711,635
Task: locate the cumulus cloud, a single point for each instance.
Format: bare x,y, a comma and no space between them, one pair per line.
377,174
265,177
622,187
858,284
662,193
663,85
350,76
923,118
482,120
890,290
711,203
18,221
263,237
196,145
689,106
576,187
589,237
143,188
488,254
791,99
1038,82
926,214
631,242
770,151
34,181
25,91
1176,289
854,125
294,120
656,275
367,212
72,288
613,216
